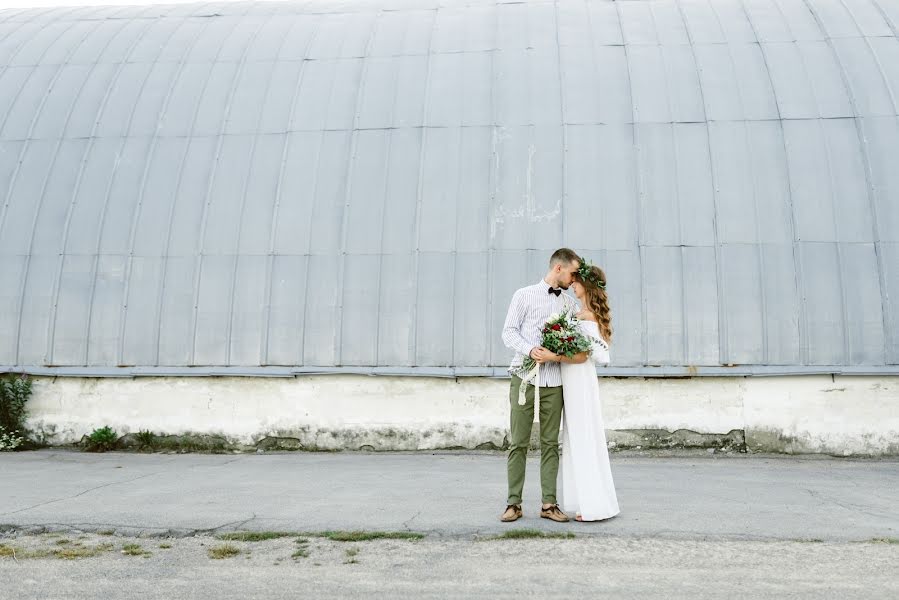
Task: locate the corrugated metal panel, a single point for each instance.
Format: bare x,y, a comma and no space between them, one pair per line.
356,185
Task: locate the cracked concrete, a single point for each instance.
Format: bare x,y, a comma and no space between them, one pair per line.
582,567
450,495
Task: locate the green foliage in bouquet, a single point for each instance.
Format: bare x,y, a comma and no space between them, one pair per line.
562,336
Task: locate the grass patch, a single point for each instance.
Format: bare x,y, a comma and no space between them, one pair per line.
165,546
254,536
528,534
74,553
106,532
367,536
884,540
302,548
69,553
63,542
134,550
224,551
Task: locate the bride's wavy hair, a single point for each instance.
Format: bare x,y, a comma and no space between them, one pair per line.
598,301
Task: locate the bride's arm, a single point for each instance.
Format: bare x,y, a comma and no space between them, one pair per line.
574,360
600,354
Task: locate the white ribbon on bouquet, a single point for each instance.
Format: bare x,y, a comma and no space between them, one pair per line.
533,374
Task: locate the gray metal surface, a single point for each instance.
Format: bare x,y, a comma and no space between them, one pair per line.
362,185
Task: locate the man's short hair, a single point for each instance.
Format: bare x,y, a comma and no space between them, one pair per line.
564,256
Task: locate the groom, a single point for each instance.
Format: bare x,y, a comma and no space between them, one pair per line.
531,307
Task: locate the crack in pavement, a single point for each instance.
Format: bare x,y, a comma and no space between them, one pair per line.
121,529
235,524
850,507
406,523
111,483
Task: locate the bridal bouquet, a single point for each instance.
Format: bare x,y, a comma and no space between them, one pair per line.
561,336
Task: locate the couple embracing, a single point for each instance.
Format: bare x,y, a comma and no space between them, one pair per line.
568,389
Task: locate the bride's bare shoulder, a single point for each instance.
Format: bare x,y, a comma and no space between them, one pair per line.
586,315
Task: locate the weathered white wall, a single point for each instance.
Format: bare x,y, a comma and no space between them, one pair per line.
842,415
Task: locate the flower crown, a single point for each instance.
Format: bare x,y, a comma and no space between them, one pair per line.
586,274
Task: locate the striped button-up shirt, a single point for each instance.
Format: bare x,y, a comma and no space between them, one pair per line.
529,310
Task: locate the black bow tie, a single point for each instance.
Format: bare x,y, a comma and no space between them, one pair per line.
554,291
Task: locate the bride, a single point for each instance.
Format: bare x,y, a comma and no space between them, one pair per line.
585,477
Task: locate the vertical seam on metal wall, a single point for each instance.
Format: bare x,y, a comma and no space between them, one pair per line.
347,198
14,177
760,254
142,189
413,334
677,195
266,300
724,355
246,186
385,191
6,68
201,238
277,207
847,358
639,186
869,184
492,178
177,187
112,179
894,27
51,324
794,241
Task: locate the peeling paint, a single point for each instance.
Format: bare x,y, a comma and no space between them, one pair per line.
349,412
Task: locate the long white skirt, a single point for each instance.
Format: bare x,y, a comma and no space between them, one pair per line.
586,486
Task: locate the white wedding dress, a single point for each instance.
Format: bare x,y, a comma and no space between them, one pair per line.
585,476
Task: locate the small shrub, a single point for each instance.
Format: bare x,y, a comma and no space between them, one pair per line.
14,393
145,439
10,440
101,440
224,551
134,550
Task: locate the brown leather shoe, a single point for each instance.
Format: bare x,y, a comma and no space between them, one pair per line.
512,513
553,513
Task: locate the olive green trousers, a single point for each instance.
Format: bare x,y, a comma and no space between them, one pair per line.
521,422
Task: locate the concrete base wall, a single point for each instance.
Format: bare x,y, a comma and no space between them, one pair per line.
841,415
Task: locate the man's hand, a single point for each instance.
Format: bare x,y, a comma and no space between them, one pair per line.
542,355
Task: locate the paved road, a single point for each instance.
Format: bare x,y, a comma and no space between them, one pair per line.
690,527
450,495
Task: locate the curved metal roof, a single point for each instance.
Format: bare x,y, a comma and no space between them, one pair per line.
273,188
